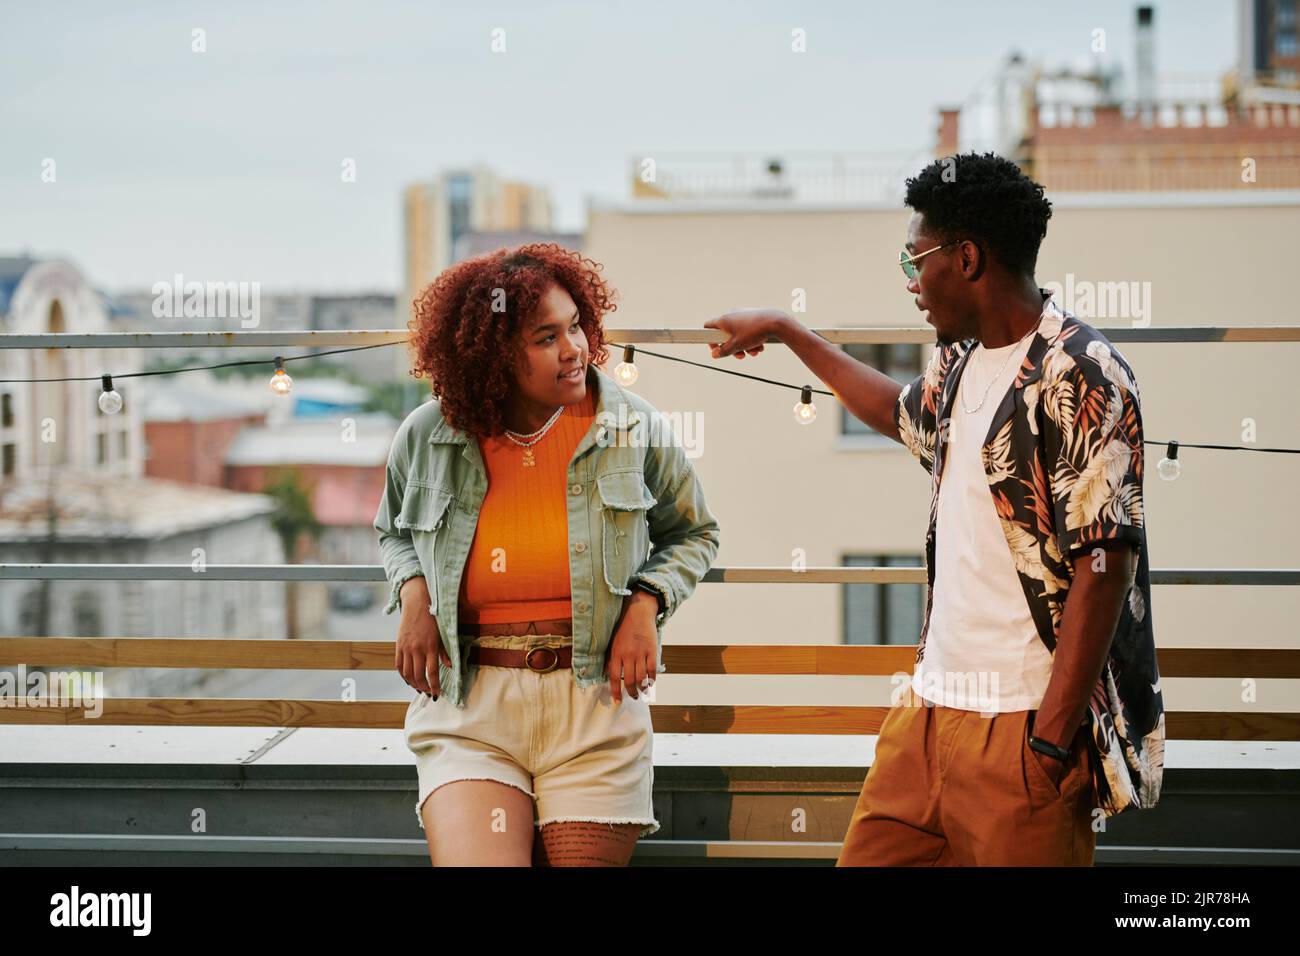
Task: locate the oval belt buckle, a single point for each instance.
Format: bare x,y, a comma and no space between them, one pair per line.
555,660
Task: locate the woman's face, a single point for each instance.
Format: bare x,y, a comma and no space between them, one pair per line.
554,370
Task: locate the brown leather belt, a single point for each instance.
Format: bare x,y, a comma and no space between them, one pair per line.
542,659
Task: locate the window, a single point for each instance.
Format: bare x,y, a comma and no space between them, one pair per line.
101,448
190,598
29,611
86,615
6,409
459,203
10,459
883,613
901,361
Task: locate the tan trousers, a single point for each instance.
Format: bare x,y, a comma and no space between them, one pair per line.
953,788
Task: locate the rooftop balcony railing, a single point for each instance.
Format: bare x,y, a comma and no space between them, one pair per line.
1231,800
797,175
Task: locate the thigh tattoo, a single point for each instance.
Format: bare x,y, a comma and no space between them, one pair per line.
584,843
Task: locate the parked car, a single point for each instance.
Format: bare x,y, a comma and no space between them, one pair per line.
352,597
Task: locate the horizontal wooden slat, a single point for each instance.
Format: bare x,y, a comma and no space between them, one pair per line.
878,660
788,659
216,712
195,652
668,718
769,719
1271,662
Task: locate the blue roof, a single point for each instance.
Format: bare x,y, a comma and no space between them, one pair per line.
12,270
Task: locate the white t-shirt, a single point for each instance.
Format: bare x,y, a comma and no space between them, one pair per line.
982,651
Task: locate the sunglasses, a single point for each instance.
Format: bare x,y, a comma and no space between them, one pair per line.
908,262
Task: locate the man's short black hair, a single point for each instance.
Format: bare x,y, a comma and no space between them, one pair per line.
986,199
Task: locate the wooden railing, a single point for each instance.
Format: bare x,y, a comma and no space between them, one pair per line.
789,660
678,659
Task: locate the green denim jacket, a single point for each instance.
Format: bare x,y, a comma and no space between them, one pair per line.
636,511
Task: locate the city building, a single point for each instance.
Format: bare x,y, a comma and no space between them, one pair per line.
1100,130
75,490
190,421
437,213
1268,51
339,458
275,312
58,424
238,435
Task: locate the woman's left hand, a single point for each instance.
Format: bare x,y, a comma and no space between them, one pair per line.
633,650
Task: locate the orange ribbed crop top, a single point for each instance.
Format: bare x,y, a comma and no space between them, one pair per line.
518,564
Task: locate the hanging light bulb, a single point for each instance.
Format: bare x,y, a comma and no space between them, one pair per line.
281,383
110,402
1170,467
626,372
805,412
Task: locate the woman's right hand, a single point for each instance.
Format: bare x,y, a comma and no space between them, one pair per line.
419,642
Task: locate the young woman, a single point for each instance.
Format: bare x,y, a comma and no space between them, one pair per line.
516,530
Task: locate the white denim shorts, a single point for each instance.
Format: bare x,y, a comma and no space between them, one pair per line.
579,754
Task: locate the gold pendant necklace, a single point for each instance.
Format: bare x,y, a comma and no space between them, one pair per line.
529,461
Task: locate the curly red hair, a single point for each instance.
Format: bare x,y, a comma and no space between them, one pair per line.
469,351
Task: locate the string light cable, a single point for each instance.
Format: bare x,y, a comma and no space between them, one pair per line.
1169,467
625,373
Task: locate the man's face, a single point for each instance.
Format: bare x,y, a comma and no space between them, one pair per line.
940,290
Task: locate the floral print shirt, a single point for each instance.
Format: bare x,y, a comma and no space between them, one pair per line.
1064,461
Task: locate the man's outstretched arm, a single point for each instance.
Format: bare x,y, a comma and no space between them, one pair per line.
868,394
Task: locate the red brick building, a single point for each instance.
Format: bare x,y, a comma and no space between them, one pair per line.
1078,131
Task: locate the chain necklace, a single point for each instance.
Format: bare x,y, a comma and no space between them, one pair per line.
997,375
529,460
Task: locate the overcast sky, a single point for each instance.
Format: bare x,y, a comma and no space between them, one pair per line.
225,165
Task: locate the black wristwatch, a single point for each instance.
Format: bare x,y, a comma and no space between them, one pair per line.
1045,746
1049,748
651,589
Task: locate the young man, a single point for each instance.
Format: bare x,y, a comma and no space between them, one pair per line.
1034,709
